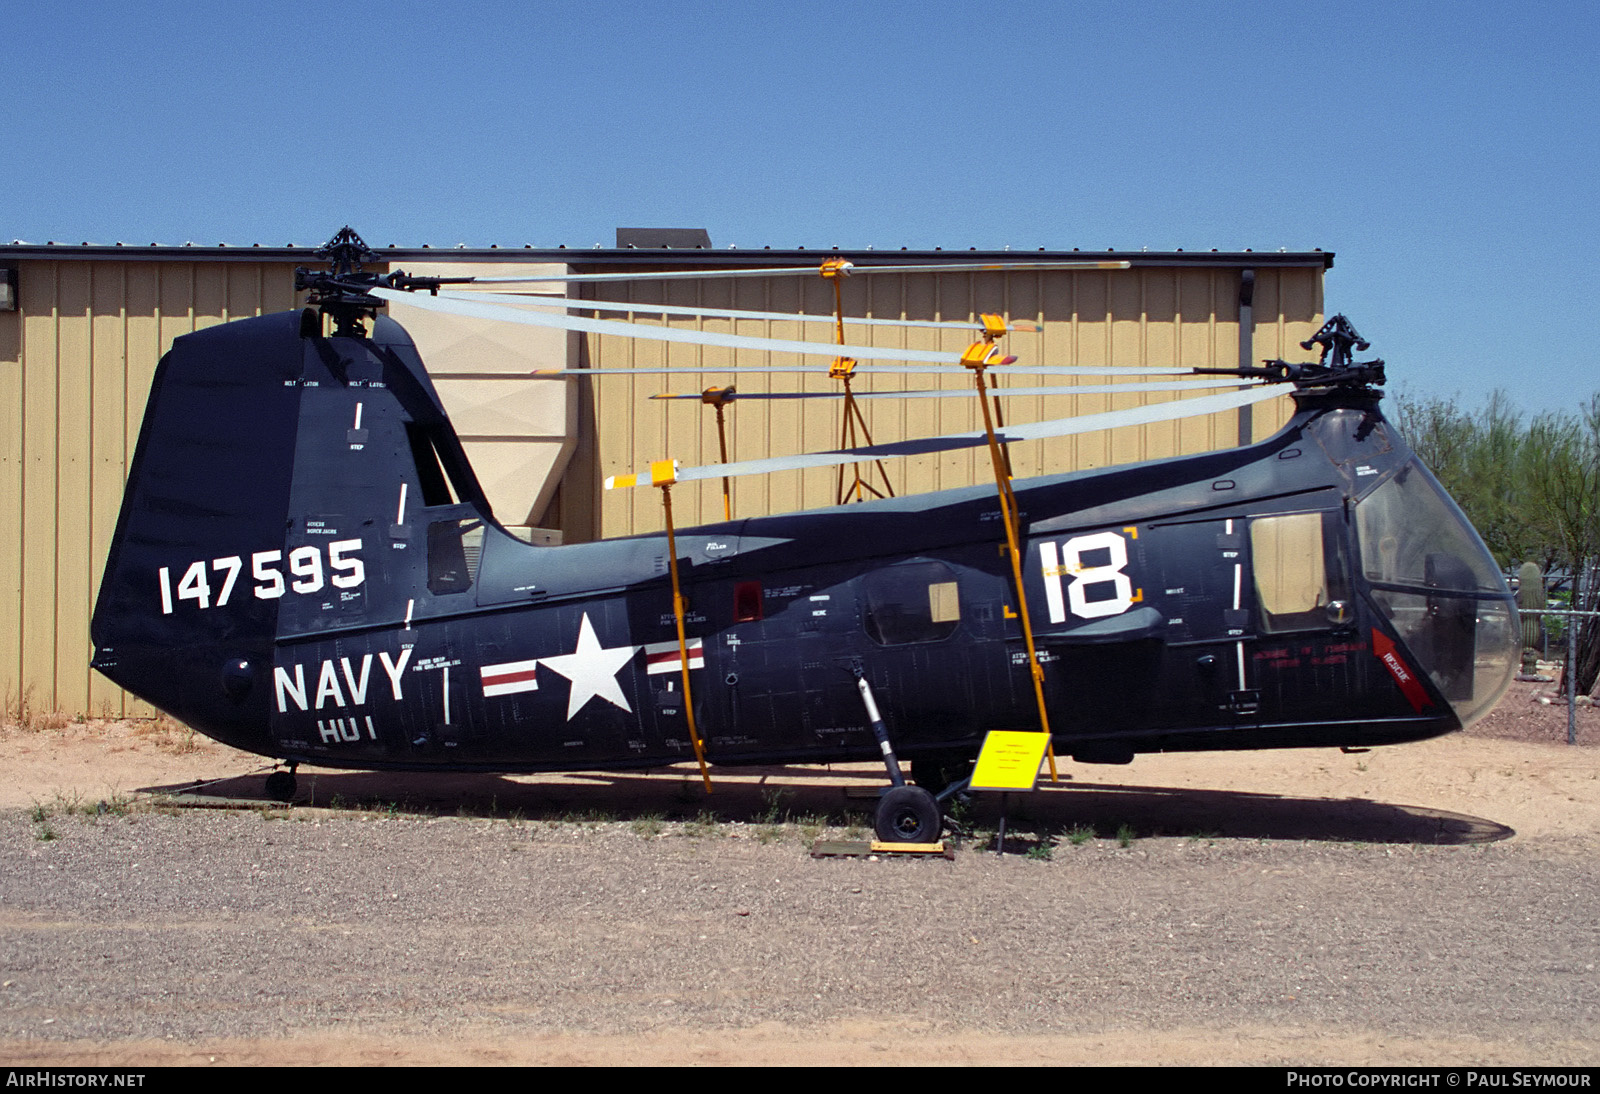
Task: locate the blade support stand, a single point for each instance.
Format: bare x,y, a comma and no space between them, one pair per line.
663,473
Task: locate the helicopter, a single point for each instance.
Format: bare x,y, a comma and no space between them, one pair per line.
305,567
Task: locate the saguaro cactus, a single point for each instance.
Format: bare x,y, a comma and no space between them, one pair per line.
1530,601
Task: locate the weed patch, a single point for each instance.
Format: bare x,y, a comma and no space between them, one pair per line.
811,827
20,711
704,825
775,805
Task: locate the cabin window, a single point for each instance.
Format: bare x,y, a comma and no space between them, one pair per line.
943,604
911,602
454,548
1299,572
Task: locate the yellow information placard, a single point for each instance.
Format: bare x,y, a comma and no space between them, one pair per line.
1010,760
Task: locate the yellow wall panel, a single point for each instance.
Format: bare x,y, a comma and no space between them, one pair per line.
11,511
209,289
74,406
40,430
110,445
1159,347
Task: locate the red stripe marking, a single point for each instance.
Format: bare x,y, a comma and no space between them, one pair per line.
509,677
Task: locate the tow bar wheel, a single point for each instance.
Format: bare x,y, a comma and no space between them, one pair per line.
907,814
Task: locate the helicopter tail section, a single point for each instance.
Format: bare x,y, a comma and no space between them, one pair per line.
274,495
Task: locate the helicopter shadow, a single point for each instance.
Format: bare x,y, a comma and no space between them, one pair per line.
1236,814
846,796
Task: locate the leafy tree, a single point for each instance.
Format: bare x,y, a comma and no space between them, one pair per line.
1479,459
1563,465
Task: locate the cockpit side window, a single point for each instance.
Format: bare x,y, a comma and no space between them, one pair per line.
1301,579
1408,525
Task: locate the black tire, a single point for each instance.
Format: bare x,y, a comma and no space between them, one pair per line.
280,786
907,814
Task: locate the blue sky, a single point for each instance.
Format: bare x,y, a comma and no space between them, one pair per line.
1448,152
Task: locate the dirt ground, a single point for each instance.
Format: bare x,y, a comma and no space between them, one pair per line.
1514,766
1510,781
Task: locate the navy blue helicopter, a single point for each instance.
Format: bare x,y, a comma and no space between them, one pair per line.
305,567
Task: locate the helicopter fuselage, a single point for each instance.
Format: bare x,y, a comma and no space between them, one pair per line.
306,568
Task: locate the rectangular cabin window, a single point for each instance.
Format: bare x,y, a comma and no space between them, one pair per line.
1299,573
911,602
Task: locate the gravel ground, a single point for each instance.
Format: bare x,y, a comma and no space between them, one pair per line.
1429,904
213,926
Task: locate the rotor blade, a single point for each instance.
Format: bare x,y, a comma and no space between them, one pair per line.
870,370
966,393
1058,427
509,314
814,271
660,334
569,303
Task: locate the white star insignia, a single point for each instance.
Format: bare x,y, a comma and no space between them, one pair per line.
592,670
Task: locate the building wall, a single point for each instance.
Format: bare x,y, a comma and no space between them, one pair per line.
77,358
1143,317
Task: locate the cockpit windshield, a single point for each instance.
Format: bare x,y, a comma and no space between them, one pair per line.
1433,578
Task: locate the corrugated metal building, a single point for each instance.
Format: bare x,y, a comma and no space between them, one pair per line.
82,327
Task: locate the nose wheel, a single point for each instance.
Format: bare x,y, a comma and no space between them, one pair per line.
281,785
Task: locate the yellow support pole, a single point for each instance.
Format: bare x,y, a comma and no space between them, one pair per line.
978,357
718,397
669,476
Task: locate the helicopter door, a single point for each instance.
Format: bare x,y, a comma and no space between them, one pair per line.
828,647
1099,637
1307,663
917,640
1206,594
788,682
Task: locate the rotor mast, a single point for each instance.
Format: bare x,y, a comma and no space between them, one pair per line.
342,292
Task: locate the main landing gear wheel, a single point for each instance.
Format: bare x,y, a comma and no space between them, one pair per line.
280,786
907,814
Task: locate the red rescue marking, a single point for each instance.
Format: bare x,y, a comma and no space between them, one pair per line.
1383,648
